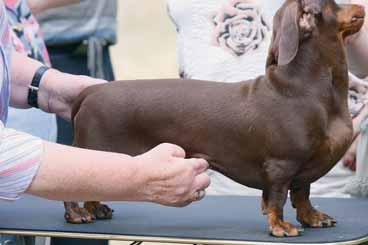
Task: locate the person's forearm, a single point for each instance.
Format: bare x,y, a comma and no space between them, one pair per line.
23,69
68,173
161,175
57,90
38,6
22,72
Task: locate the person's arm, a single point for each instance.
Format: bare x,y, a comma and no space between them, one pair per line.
161,175
358,54
57,90
59,172
38,6
67,173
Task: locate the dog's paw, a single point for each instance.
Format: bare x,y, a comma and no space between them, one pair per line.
284,229
316,219
99,210
79,216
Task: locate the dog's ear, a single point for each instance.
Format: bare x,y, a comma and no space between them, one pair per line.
289,35
292,23
274,46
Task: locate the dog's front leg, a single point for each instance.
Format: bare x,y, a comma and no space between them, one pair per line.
306,214
278,179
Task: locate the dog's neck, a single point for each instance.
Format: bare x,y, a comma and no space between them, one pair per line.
319,68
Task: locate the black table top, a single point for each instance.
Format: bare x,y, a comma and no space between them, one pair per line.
215,220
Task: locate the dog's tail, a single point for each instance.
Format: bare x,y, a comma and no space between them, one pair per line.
77,106
78,102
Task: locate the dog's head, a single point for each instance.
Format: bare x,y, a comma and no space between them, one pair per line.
299,20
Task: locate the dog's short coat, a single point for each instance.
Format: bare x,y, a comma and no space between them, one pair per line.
279,132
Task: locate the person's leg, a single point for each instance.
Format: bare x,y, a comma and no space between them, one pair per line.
107,65
69,59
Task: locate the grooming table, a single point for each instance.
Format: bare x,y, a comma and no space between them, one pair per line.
215,220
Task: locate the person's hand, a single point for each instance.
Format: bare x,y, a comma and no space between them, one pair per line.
359,86
170,179
349,158
58,91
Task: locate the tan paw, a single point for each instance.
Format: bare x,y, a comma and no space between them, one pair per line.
78,216
284,229
100,211
316,219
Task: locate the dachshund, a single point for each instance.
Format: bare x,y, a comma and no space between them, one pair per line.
278,132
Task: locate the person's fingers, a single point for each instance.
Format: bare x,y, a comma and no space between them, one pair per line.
357,120
197,196
201,182
349,159
200,165
353,167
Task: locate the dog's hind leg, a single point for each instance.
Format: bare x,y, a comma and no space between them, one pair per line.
306,214
83,138
77,215
99,210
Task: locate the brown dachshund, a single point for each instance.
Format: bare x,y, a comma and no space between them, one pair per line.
279,132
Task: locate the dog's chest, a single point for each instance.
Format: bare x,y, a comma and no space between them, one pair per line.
339,136
333,146
337,141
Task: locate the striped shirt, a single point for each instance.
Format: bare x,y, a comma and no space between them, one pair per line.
20,153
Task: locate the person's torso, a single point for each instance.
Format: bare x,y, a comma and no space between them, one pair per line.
219,35
78,22
26,34
5,56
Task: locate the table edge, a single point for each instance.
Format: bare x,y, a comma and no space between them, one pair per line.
97,236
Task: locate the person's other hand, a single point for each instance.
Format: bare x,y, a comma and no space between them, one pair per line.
358,85
61,91
171,179
349,159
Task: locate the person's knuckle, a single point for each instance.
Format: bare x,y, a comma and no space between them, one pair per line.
165,145
193,165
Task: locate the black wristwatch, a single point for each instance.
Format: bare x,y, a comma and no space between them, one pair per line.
33,88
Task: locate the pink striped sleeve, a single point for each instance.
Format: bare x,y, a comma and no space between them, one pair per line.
20,157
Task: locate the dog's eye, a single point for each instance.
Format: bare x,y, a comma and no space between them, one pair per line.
318,17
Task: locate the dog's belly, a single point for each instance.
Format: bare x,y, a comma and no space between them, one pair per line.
244,172
247,176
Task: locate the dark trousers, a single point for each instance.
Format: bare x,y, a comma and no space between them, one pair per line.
69,59
72,60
